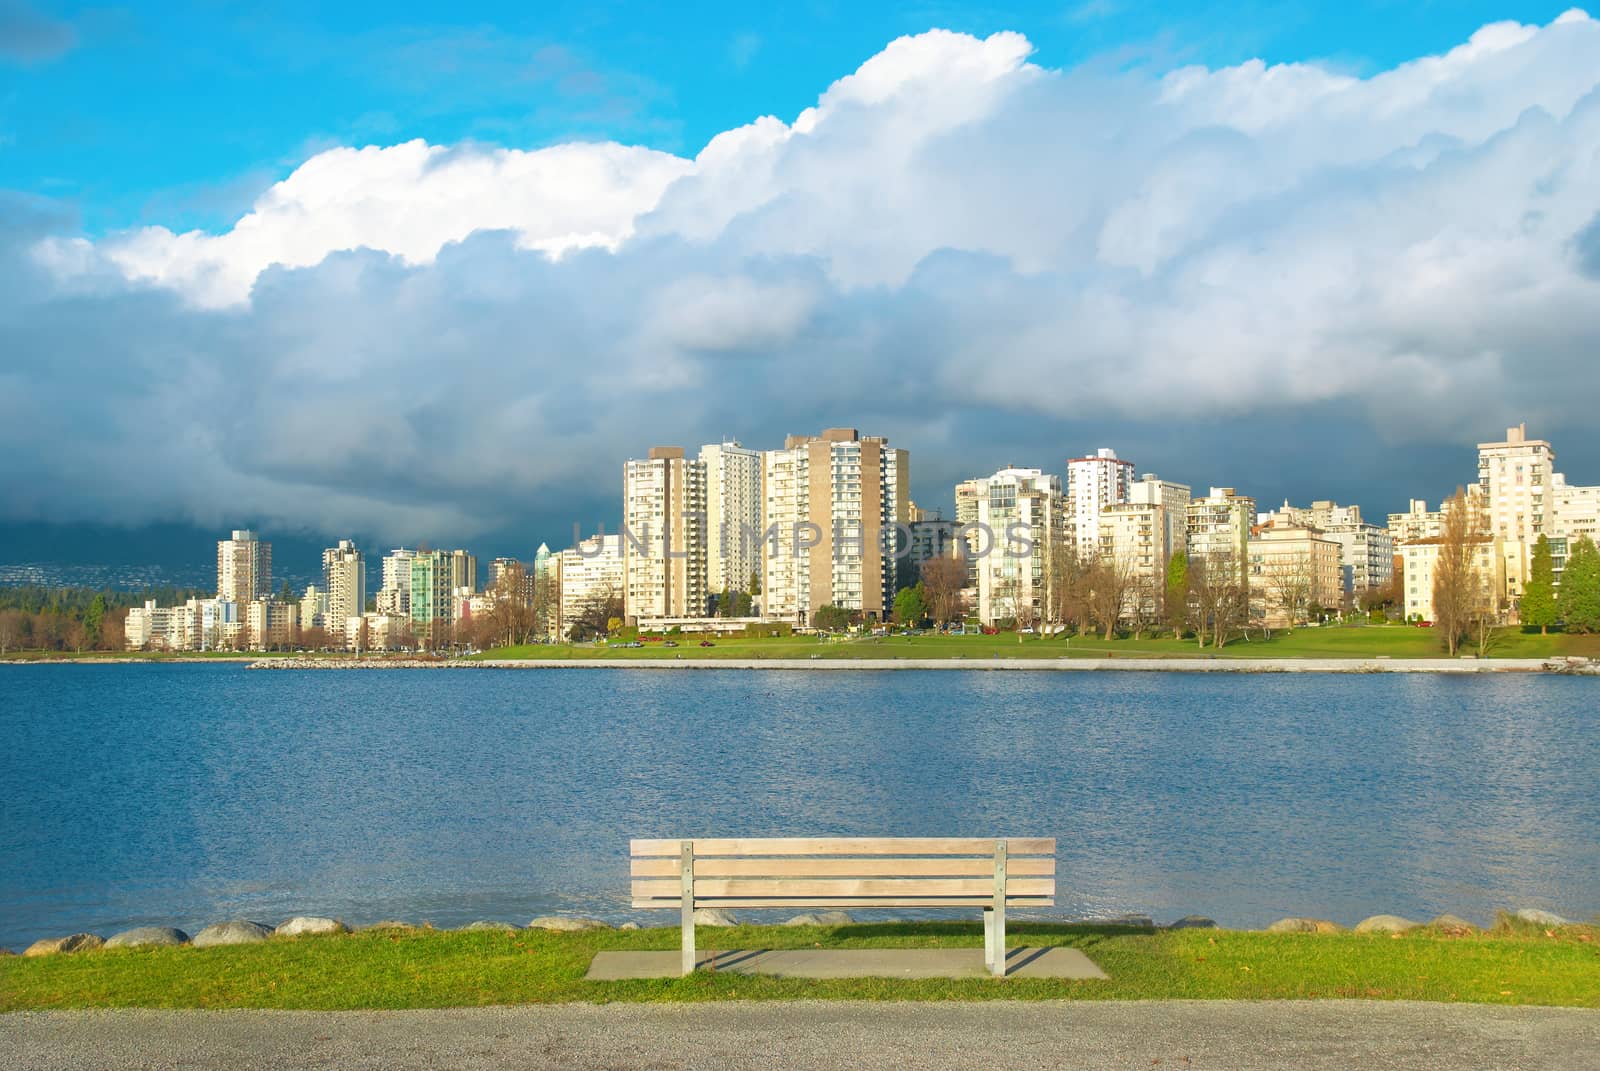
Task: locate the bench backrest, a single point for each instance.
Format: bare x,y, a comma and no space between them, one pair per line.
845,872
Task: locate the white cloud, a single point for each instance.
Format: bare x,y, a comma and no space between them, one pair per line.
409,200
963,236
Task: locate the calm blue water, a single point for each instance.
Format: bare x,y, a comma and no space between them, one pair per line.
181,795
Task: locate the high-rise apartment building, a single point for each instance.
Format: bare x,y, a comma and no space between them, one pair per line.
1418,522
968,492
463,571
932,537
1022,516
269,623
394,596
1218,527
1173,498
594,570
1366,551
1094,483
498,568
664,534
733,516
432,608
830,506
344,580
1575,513
314,608
244,567
1516,477
1292,570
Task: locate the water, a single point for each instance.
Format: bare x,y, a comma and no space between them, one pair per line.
184,794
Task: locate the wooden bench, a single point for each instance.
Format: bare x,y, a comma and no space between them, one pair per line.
840,872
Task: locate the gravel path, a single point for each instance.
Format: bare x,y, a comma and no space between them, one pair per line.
825,1035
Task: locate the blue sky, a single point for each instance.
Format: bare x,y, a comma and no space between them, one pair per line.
181,113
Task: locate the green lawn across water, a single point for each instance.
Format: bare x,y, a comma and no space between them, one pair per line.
1345,641
1513,964
1337,641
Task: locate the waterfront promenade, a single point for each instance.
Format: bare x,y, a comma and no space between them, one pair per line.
1242,1036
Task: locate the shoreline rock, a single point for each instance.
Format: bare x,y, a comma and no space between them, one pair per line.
822,918
148,937
1386,924
1304,925
1540,917
305,925
231,932
1193,922
57,946
567,924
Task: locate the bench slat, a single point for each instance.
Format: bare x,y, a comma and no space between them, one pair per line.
884,867
823,903
845,846
711,888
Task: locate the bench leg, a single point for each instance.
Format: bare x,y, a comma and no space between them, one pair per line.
997,965
988,939
688,938
686,894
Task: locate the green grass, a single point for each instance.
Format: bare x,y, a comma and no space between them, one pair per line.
1340,641
1344,641
1514,964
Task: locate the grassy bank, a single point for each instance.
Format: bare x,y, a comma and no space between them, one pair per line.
1340,641
1348,641
1514,964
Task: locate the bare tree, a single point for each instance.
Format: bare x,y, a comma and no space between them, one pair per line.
1286,585
13,626
511,615
942,581
1457,585
1219,599
1108,583
1068,595
114,629
596,614
76,635
1144,602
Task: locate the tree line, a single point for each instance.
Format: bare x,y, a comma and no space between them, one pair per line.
78,619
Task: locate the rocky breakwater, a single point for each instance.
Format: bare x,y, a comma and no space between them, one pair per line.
370,663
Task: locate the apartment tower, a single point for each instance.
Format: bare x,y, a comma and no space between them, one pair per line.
664,535
244,567
344,580
830,506
733,516
1094,483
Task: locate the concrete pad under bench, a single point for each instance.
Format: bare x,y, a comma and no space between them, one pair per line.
1068,963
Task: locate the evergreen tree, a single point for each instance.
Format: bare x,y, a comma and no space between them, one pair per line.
94,617
909,606
1538,605
1177,594
1580,588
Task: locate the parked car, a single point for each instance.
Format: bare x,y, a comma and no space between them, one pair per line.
707,643
670,643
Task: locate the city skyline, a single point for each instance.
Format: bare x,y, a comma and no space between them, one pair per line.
825,523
